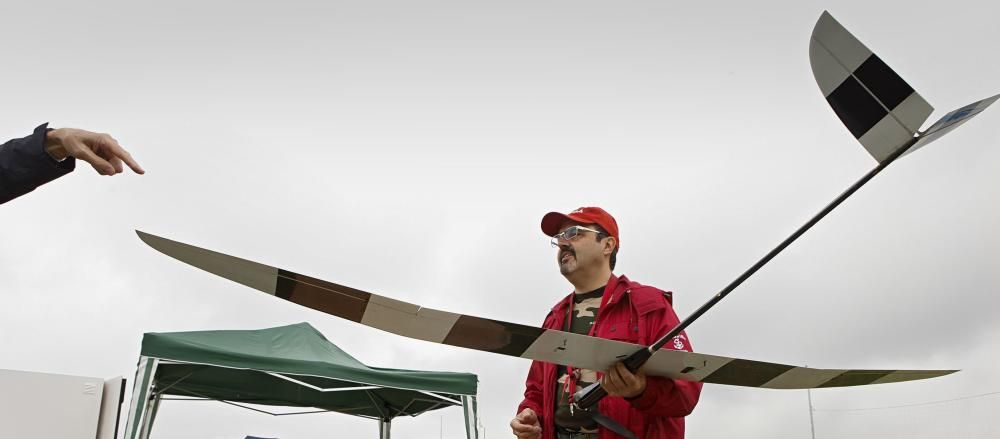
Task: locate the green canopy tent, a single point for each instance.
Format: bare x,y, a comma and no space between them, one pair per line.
289,366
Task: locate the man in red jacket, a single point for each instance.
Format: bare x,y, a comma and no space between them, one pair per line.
606,306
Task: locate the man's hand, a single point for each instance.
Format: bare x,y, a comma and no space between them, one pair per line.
100,150
618,381
526,426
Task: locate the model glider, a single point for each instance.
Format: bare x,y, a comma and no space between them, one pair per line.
512,339
879,109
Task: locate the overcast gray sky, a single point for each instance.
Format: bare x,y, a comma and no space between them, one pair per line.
411,148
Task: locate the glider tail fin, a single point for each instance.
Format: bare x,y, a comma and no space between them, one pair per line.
876,105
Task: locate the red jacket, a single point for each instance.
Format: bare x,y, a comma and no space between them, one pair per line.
633,313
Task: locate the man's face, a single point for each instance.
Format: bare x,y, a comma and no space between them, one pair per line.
583,252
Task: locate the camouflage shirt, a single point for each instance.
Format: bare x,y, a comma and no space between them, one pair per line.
585,307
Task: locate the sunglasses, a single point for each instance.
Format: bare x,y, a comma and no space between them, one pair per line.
571,234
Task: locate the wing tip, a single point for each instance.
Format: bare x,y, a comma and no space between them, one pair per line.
150,239
916,375
144,237
823,16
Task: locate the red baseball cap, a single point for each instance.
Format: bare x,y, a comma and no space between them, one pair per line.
552,221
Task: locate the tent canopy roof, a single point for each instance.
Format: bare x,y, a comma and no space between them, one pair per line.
294,366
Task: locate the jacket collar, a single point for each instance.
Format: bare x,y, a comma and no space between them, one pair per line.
617,285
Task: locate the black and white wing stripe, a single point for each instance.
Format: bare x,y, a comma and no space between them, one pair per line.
414,321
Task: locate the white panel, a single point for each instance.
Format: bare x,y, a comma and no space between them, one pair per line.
252,274
670,363
884,138
841,44
598,354
913,111
407,319
828,72
43,405
111,404
578,350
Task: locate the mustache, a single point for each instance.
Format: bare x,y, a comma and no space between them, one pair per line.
567,250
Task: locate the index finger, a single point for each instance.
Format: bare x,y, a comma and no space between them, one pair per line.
622,370
121,153
627,377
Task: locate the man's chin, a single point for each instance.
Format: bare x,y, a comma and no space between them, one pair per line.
567,269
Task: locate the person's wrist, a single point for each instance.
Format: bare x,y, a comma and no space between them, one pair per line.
54,146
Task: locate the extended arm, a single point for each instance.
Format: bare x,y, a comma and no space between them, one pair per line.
25,165
45,155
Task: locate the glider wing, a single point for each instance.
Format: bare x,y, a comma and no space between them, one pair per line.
512,339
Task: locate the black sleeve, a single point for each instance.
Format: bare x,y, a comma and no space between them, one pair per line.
24,165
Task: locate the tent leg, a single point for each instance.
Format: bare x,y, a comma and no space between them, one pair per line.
144,427
383,428
140,397
471,417
154,407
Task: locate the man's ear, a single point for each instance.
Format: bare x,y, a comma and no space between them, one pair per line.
610,245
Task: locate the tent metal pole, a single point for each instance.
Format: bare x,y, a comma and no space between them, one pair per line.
384,425
152,405
152,415
140,397
812,426
471,417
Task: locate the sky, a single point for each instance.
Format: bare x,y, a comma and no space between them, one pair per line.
411,148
